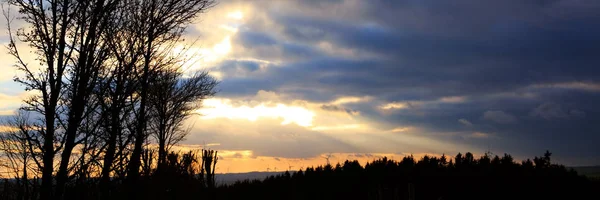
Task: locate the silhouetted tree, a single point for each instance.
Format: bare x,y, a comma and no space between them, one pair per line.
92,86
116,91
209,162
66,37
15,151
172,100
161,24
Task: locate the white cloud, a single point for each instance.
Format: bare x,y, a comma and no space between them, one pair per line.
400,105
416,104
351,99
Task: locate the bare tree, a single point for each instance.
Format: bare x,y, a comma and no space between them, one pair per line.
173,99
14,147
67,38
92,20
117,88
47,34
97,60
162,23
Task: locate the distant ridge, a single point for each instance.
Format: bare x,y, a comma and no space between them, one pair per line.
589,171
229,178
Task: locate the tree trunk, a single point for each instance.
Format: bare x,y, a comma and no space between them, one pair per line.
81,86
25,181
135,162
63,171
162,152
109,156
48,158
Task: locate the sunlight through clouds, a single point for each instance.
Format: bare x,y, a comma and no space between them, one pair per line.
401,129
235,15
350,99
215,44
195,57
223,47
338,127
223,108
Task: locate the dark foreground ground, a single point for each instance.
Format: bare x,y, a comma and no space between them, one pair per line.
464,177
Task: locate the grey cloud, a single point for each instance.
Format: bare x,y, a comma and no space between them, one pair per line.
254,39
499,117
577,113
551,111
465,122
338,109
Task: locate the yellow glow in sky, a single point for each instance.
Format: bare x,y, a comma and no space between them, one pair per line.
218,108
401,129
246,161
235,15
229,28
223,47
338,127
199,57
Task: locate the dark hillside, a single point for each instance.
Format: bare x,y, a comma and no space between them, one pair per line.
429,178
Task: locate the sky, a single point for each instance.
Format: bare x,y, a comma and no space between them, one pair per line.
303,82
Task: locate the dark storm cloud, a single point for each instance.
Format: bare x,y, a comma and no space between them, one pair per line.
491,52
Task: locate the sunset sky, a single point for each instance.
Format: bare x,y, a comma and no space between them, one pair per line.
357,79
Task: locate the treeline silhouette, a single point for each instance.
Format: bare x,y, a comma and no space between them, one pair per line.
464,177
191,175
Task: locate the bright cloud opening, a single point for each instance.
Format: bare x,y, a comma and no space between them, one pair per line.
235,15
338,127
199,57
223,108
350,99
223,47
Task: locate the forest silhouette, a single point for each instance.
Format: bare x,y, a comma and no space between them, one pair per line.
110,98
189,176
463,177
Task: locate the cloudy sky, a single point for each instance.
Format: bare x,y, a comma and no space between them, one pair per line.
354,79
